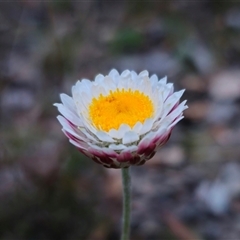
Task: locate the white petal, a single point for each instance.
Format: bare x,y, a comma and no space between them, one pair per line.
83,116
151,135
118,134
130,137
85,100
125,74
105,150
145,86
134,75
137,127
88,135
131,148
96,90
161,130
114,74
109,84
68,114
154,80
163,80
147,138
175,113
147,126
134,81
178,94
123,129
78,144
83,85
103,136
108,151
81,102
176,121
143,73
157,99
168,90
99,78
125,78
170,102
68,128
67,101
82,96
65,124
114,134
117,147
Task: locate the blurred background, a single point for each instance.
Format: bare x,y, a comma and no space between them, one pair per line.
190,190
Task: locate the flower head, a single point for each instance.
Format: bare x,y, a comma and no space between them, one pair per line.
120,120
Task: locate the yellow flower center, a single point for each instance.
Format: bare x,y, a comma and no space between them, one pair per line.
120,107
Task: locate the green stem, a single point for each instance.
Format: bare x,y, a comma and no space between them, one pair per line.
126,182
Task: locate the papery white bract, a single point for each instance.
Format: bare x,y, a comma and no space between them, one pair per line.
120,120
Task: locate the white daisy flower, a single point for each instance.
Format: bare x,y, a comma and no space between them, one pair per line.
120,120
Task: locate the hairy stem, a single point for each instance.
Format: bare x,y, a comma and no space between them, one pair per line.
126,182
